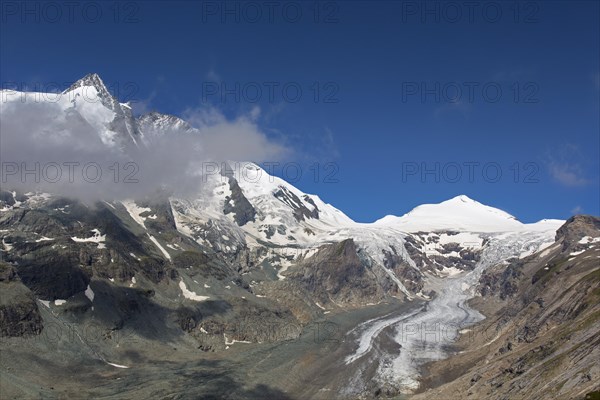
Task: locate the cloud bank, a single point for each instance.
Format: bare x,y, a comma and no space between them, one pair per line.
46,146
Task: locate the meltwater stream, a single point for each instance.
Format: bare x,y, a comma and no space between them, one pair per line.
424,335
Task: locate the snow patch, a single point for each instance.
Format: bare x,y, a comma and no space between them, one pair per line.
534,247
162,249
7,246
284,267
97,237
589,239
117,365
233,341
134,211
547,251
188,294
89,293
451,271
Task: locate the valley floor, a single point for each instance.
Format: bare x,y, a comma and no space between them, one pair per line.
66,362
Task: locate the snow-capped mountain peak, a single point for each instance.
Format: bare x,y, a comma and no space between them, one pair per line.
460,213
90,100
92,80
162,120
155,124
463,199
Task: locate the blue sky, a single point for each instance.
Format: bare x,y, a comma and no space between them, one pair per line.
375,92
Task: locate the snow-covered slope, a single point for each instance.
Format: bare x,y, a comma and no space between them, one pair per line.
462,214
276,212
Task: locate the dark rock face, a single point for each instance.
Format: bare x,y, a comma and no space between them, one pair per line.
336,273
7,273
271,229
244,322
154,268
441,257
202,264
237,203
502,283
315,212
53,275
19,315
299,208
577,227
410,277
59,267
21,318
188,319
161,212
6,198
155,122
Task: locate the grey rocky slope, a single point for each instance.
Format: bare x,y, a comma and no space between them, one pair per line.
541,337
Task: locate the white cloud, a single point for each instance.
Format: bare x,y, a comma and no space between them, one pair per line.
143,106
329,144
213,76
459,107
568,174
565,166
45,133
577,210
238,139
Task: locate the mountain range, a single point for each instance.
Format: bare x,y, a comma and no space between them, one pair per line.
200,282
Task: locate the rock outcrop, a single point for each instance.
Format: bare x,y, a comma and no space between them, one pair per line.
19,314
